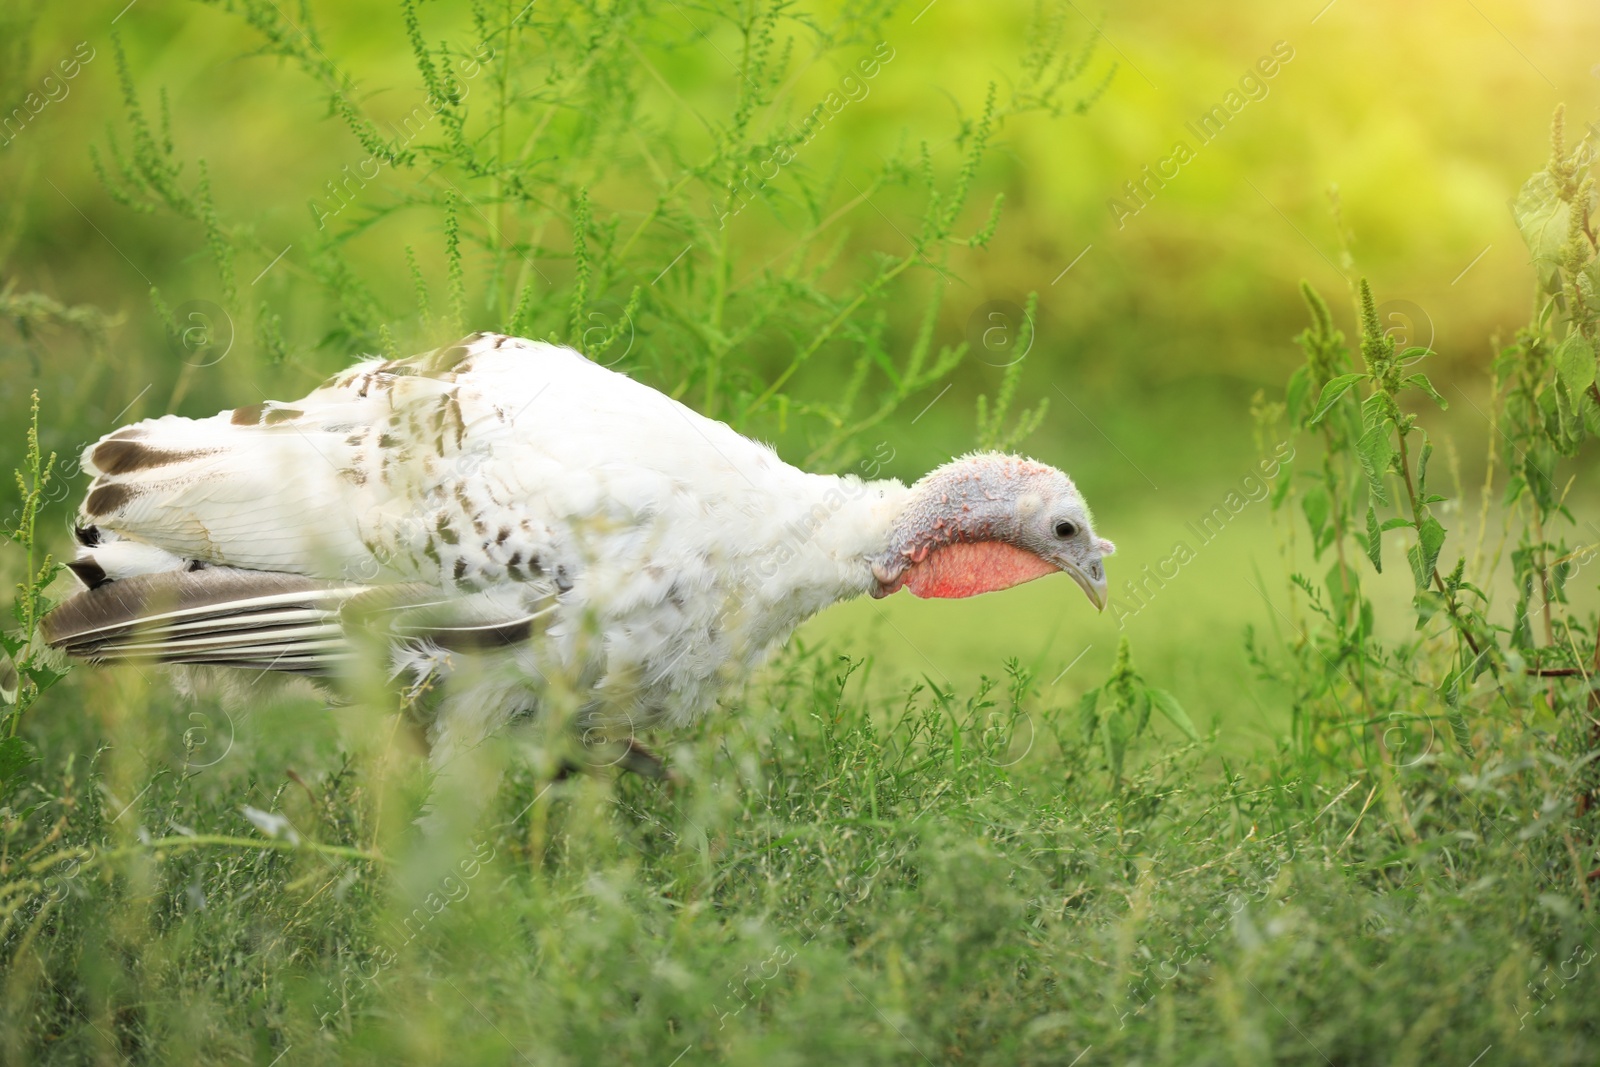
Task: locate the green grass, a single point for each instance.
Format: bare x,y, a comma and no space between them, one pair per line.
842,879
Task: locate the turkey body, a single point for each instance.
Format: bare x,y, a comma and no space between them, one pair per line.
505,515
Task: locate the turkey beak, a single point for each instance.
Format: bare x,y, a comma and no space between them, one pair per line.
1097,593
1092,581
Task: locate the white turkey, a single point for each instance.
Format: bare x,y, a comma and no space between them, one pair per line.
504,516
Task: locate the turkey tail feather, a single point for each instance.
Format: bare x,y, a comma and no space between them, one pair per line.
217,616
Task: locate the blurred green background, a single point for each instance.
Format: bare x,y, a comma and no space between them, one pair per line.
1155,328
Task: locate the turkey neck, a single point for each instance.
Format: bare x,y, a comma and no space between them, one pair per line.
828,531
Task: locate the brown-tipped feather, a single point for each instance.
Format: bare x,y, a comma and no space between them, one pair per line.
127,602
251,618
226,616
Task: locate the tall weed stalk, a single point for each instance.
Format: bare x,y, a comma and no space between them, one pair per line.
1489,655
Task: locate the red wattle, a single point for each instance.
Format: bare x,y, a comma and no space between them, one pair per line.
969,568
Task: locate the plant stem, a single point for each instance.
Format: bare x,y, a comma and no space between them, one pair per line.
1336,502
827,332
1416,517
1587,800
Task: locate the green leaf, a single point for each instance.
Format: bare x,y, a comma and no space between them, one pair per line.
1375,410
1571,424
1331,394
1483,662
1542,219
1424,555
1574,361
1374,540
1316,505
1589,282
1299,386
1344,587
1450,693
1376,451
1420,381
1168,706
1114,736
44,677
1280,489
15,756
1088,717
1422,464
1396,523
1428,604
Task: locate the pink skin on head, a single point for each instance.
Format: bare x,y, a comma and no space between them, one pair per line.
988,522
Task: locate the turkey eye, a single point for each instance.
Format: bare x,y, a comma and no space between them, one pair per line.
1065,530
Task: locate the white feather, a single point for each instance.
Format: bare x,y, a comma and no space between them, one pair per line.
663,553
